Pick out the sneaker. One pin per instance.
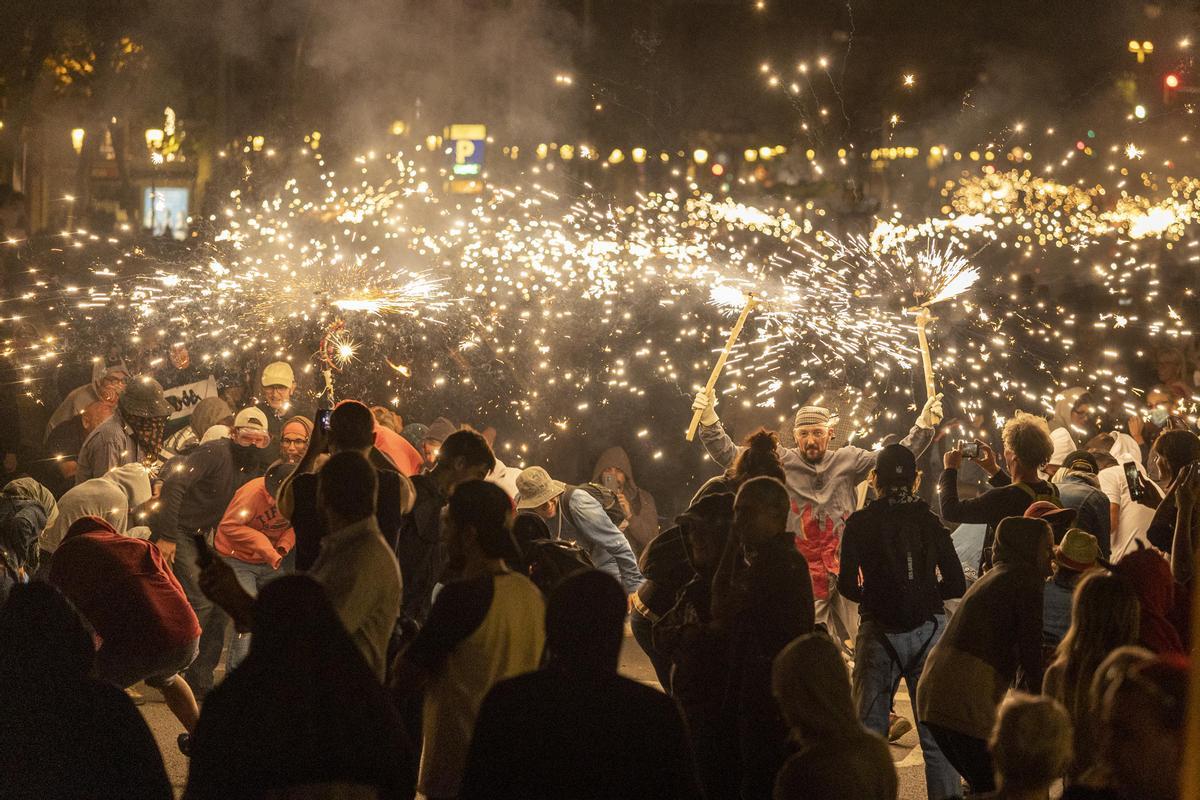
(897, 727)
(185, 744)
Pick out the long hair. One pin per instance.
(759, 459)
(1104, 616)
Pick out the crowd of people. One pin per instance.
(402, 614)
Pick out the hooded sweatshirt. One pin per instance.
(26, 508)
(996, 630)
(1133, 518)
(198, 487)
(124, 589)
(643, 523)
(1151, 577)
(81, 397)
(252, 529)
(208, 412)
(836, 756)
(108, 497)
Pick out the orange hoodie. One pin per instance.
(252, 529)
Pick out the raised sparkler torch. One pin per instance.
(924, 317)
(750, 302)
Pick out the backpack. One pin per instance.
(550, 560)
(606, 497)
(912, 561)
(545, 560)
(1035, 495)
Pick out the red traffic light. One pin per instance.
(1171, 81)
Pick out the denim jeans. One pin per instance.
(213, 621)
(251, 577)
(877, 677)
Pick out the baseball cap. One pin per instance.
(250, 418)
(1082, 461)
(895, 464)
(278, 373)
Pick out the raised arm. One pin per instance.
(716, 441)
(1183, 547)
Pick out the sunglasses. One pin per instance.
(250, 436)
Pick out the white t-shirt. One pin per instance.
(1134, 518)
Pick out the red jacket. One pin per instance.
(252, 529)
(123, 588)
(406, 458)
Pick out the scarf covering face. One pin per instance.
(148, 431)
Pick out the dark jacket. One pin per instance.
(197, 488)
(666, 567)
(309, 523)
(899, 547)
(780, 607)
(1081, 491)
(550, 735)
(1006, 499)
(996, 631)
(302, 709)
(419, 548)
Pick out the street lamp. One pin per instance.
(77, 135)
(1141, 49)
(154, 143)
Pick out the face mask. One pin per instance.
(1159, 415)
(243, 455)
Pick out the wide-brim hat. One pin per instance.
(143, 397)
(1078, 550)
(535, 487)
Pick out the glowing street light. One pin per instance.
(1141, 49)
(77, 135)
(700, 156)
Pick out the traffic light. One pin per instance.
(1171, 82)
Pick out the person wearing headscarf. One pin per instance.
(109, 497)
(1150, 575)
(614, 471)
(208, 412)
(294, 439)
(65, 734)
(26, 509)
(836, 758)
(302, 710)
(106, 385)
(1070, 423)
(996, 632)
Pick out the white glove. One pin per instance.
(931, 414)
(706, 404)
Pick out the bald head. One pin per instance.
(95, 414)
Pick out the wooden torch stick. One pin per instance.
(923, 320)
(720, 365)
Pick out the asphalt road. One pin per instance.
(634, 664)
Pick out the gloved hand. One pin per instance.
(707, 405)
(931, 414)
